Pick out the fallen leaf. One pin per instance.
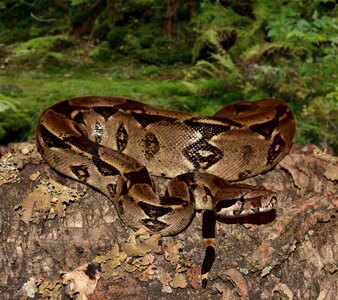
(82, 280)
(179, 281)
(331, 172)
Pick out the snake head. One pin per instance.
(242, 200)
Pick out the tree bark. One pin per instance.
(170, 25)
(51, 225)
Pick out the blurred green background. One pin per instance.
(183, 55)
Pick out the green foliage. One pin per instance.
(41, 43)
(101, 52)
(212, 18)
(42, 50)
(281, 49)
(115, 35)
(319, 121)
(78, 2)
(23, 20)
(36, 89)
(239, 49)
(133, 28)
(11, 110)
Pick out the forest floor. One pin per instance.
(29, 90)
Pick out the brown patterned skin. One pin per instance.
(116, 145)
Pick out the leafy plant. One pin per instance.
(262, 49)
(239, 49)
(319, 121)
(10, 112)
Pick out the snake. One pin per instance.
(119, 146)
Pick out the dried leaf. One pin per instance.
(194, 277)
(172, 252)
(331, 172)
(179, 281)
(164, 277)
(82, 280)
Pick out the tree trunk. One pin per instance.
(193, 9)
(51, 225)
(170, 25)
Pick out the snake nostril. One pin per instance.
(79, 250)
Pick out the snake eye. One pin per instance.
(242, 199)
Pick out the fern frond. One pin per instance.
(264, 10)
(257, 51)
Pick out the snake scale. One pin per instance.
(117, 145)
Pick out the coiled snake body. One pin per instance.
(116, 145)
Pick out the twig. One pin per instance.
(42, 20)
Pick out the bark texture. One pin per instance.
(60, 237)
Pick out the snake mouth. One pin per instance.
(244, 207)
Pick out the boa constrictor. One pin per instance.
(116, 145)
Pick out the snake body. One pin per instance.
(116, 145)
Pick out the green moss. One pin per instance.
(42, 51)
(102, 52)
(116, 35)
(40, 43)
